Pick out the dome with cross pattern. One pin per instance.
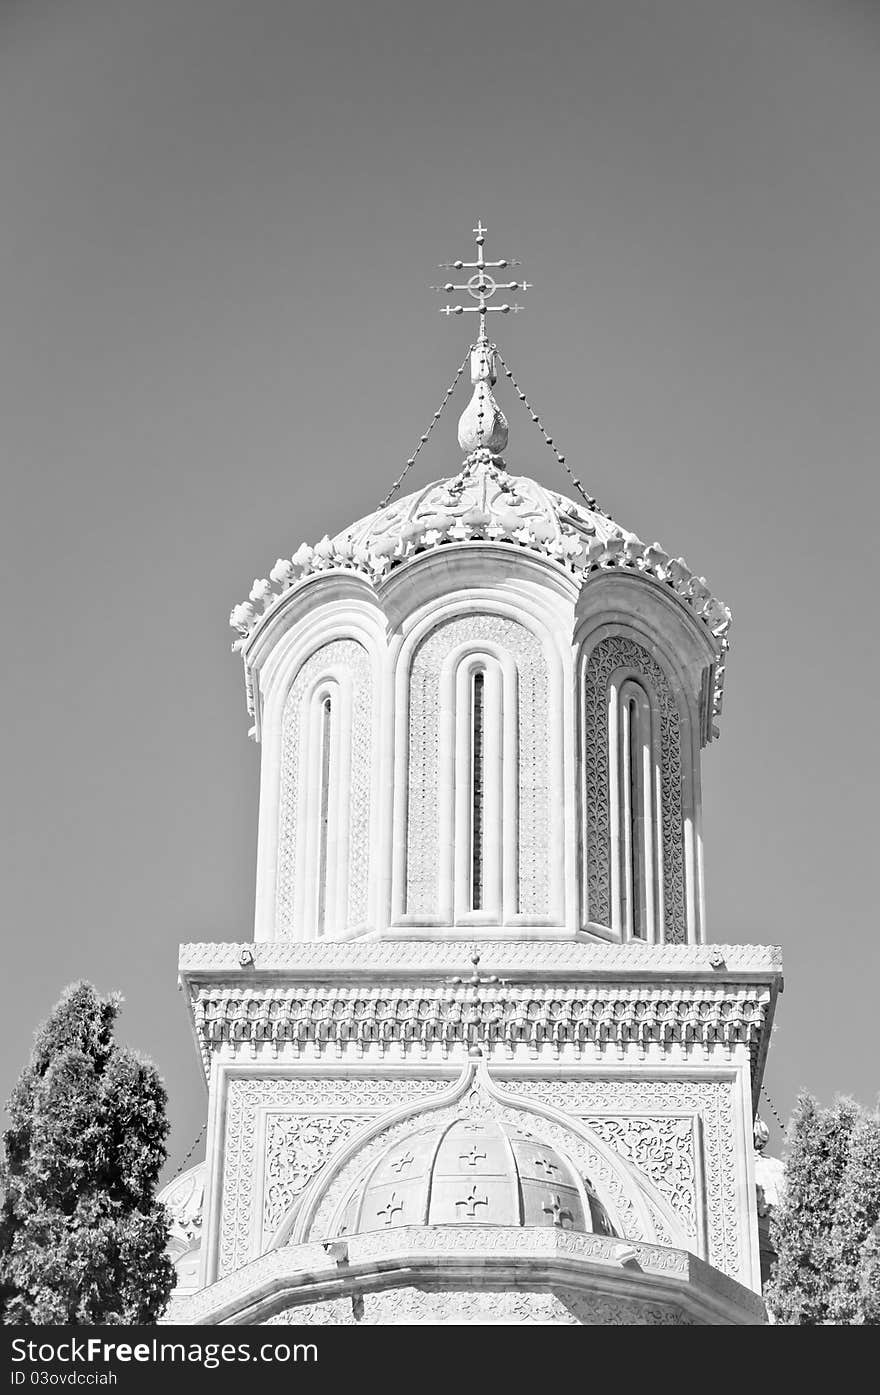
(473, 1171)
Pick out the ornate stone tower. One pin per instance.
(478, 1062)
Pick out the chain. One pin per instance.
(412, 460)
(773, 1110)
(199, 1137)
(588, 498)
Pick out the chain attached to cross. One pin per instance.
(481, 286)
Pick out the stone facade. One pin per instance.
(479, 913)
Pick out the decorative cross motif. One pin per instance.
(548, 1166)
(472, 1201)
(472, 1158)
(476, 979)
(557, 1211)
(389, 1210)
(400, 1163)
(481, 286)
(474, 982)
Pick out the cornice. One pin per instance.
(545, 960)
(576, 555)
(495, 1255)
(283, 1003)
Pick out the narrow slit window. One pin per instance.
(478, 791)
(324, 814)
(636, 803)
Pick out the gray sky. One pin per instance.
(218, 228)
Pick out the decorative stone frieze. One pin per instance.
(543, 1020)
(483, 504)
(548, 959)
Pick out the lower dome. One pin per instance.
(473, 1171)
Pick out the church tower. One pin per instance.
(478, 1062)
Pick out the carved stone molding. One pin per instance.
(544, 956)
(458, 513)
(411, 1020)
(609, 655)
(585, 1272)
(468, 1306)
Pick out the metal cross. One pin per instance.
(557, 1211)
(481, 286)
(389, 1210)
(400, 1163)
(471, 1201)
(476, 979)
(471, 1158)
(474, 982)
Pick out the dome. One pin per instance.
(480, 1171)
(483, 499)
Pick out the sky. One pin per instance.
(218, 230)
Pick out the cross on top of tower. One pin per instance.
(482, 285)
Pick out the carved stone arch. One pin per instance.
(424, 884)
(612, 659)
(499, 740)
(336, 610)
(338, 672)
(628, 1197)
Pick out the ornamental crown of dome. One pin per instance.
(471, 1171)
(482, 501)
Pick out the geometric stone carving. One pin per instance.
(662, 1148)
(711, 1100)
(297, 1146)
(247, 1100)
(561, 957)
(537, 1019)
(608, 656)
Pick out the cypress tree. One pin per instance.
(801, 1287)
(868, 1308)
(82, 1238)
(856, 1212)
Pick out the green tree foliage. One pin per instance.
(82, 1238)
(828, 1254)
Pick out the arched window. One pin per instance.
(322, 875)
(636, 814)
(632, 790)
(636, 880)
(323, 811)
(478, 789)
(481, 761)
